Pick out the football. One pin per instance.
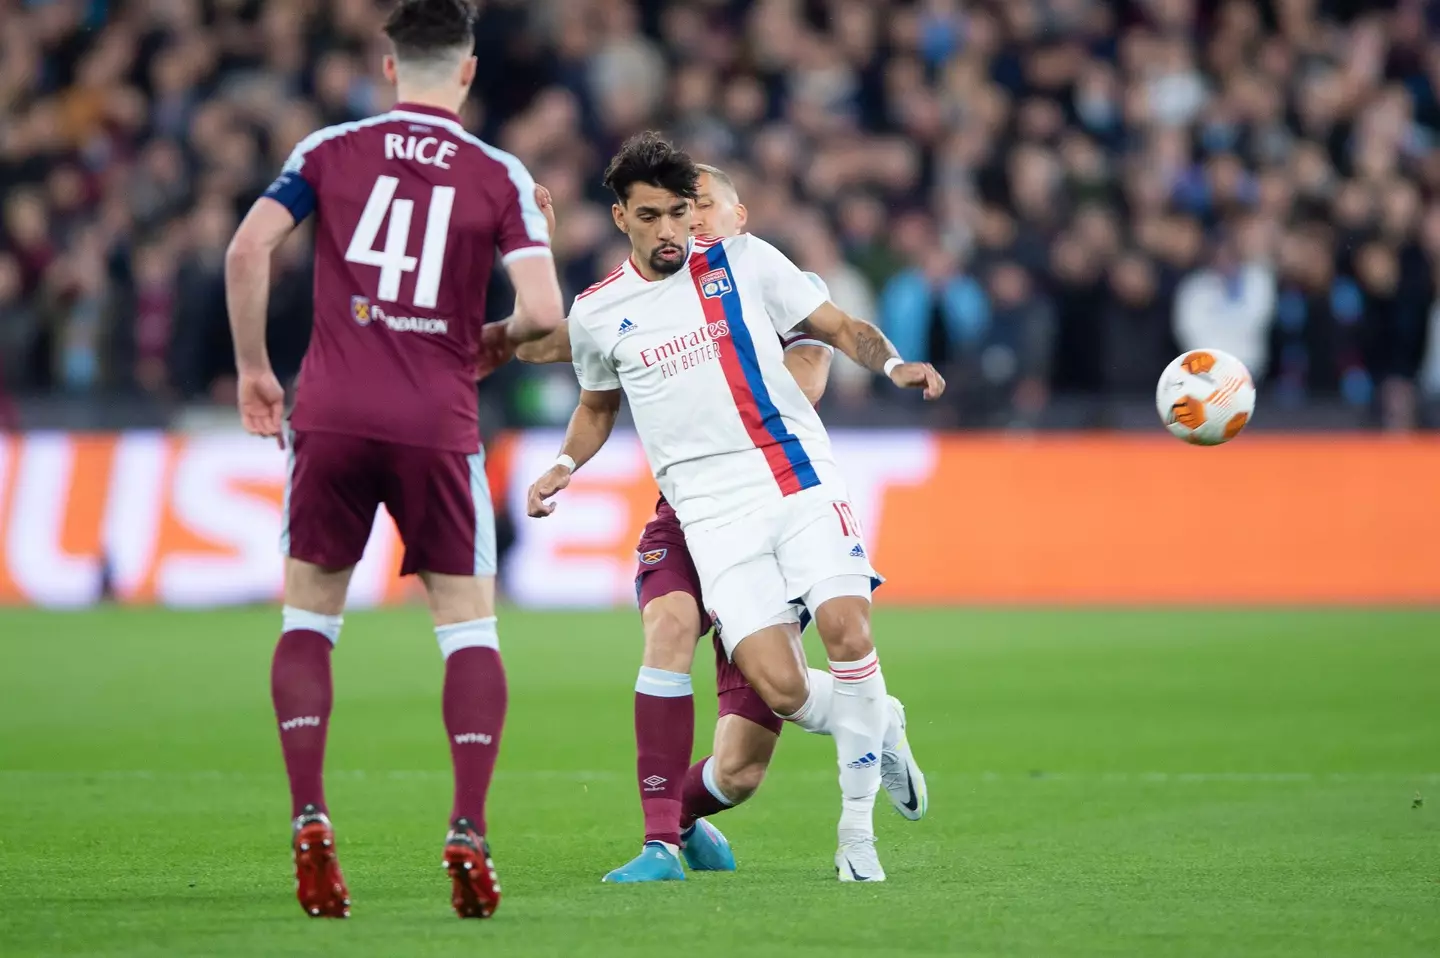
(1205, 397)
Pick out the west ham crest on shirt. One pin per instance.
(360, 309)
(715, 283)
(653, 556)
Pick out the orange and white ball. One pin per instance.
(1205, 397)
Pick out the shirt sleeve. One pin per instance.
(593, 368)
(800, 336)
(523, 231)
(789, 297)
(295, 187)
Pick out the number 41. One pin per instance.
(394, 260)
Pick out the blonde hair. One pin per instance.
(721, 177)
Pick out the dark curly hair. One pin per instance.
(650, 158)
(423, 28)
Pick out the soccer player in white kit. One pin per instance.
(687, 329)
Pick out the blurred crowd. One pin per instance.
(1049, 198)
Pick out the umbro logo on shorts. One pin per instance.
(653, 556)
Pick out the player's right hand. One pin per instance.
(262, 403)
(495, 349)
(919, 376)
(547, 206)
(557, 478)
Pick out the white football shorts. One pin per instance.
(751, 569)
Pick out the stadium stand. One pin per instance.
(1048, 197)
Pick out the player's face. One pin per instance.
(658, 224)
(718, 212)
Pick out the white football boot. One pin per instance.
(857, 861)
(899, 772)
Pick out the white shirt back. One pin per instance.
(725, 426)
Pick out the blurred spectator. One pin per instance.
(1018, 345)
(934, 311)
(1259, 177)
(1228, 305)
(1136, 336)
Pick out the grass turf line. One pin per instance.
(1102, 783)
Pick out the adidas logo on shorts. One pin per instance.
(864, 761)
(858, 552)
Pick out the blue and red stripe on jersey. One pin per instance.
(762, 420)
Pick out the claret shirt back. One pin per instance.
(411, 213)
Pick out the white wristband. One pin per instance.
(566, 461)
(891, 363)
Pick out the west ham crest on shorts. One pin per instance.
(715, 283)
(653, 556)
(360, 309)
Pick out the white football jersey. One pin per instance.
(724, 425)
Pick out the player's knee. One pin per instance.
(739, 779)
(315, 589)
(459, 598)
(844, 627)
(672, 625)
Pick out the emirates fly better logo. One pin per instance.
(681, 353)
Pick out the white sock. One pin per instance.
(857, 720)
(707, 777)
(475, 634)
(814, 715)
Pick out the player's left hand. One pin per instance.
(262, 403)
(547, 206)
(919, 376)
(557, 478)
(495, 349)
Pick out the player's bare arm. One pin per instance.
(868, 346)
(551, 348)
(590, 426)
(247, 292)
(810, 365)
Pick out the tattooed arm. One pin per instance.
(864, 343)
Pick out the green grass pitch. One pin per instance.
(1102, 783)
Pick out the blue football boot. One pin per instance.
(654, 863)
(706, 849)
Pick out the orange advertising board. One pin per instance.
(195, 520)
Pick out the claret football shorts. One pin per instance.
(439, 500)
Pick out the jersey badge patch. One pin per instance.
(653, 556)
(360, 309)
(715, 283)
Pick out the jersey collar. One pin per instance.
(426, 110)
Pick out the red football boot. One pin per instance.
(475, 888)
(318, 882)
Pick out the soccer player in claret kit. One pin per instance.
(410, 211)
(676, 801)
(688, 330)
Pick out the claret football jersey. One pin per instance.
(411, 213)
